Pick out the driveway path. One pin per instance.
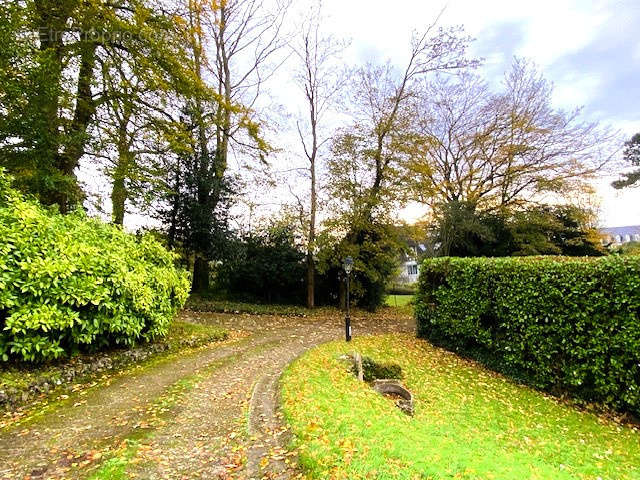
(208, 414)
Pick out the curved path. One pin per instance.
(209, 414)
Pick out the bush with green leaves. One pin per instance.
(70, 283)
(565, 325)
(265, 265)
(374, 249)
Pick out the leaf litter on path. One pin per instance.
(190, 417)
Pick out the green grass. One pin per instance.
(469, 423)
(117, 465)
(115, 468)
(203, 304)
(398, 300)
(193, 334)
(181, 335)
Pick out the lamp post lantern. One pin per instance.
(348, 266)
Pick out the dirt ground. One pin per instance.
(210, 413)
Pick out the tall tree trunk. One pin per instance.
(50, 24)
(118, 200)
(119, 192)
(175, 207)
(223, 124)
(84, 111)
(319, 84)
(311, 280)
(311, 267)
(61, 156)
(51, 19)
(67, 160)
(200, 282)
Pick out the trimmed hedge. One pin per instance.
(565, 325)
(70, 283)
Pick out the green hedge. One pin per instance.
(70, 283)
(402, 289)
(565, 325)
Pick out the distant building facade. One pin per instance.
(619, 235)
(410, 268)
(410, 272)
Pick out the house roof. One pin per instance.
(414, 244)
(622, 231)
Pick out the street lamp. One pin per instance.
(348, 266)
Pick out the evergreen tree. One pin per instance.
(631, 154)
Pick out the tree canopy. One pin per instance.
(631, 154)
(60, 69)
(164, 107)
(497, 150)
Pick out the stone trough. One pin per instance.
(393, 388)
(390, 387)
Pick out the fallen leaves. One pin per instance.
(470, 422)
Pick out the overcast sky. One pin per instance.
(590, 50)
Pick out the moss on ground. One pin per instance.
(117, 464)
(24, 383)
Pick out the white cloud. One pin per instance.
(619, 207)
(573, 89)
(545, 31)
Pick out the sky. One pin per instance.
(590, 50)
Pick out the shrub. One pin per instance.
(372, 370)
(561, 324)
(374, 249)
(463, 231)
(267, 266)
(69, 283)
(402, 289)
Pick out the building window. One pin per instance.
(412, 269)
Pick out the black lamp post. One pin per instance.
(348, 266)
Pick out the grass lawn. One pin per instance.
(469, 423)
(398, 300)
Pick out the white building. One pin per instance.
(619, 235)
(410, 269)
(410, 272)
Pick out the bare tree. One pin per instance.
(243, 40)
(368, 159)
(368, 155)
(321, 81)
(496, 150)
(233, 45)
